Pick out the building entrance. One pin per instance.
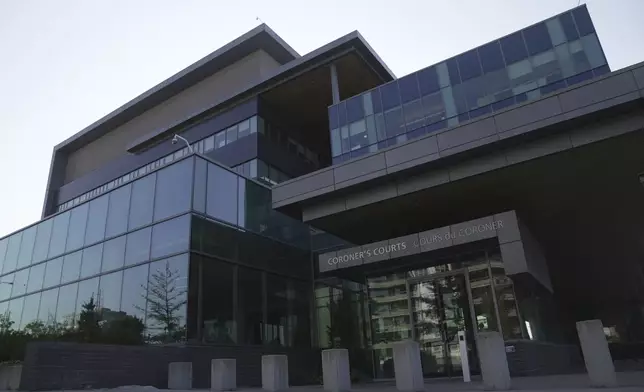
(431, 305)
(440, 308)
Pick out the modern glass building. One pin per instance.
(323, 202)
(550, 55)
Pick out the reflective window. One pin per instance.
(250, 314)
(231, 134)
(137, 248)
(299, 315)
(469, 65)
(513, 48)
(66, 309)
(367, 103)
(15, 312)
(96, 220)
(390, 95)
(20, 282)
(342, 113)
(409, 89)
(537, 38)
(3, 250)
(222, 194)
(394, 122)
(217, 282)
(336, 143)
(58, 235)
(71, 267)
(118, 211)
(167, 299)
(355, 110)
(428, 80)
(110, 292)
(91, 264)
(452, 69)
(113, 254)
(414, 114)
(6, 284)
(170, 237)
(11, 254)
(491, 57)
(333, 116)
(26, 247)
(199, 192)
(593, 51)
(568, 26)
(358, 137)
(583, 21)
(87, 289)
(173, 190)
(209, 143)
(53, 271)
(135, 281)
(557, 35)
(344, 139)
(220, 139)
(30, 312)
(36, 276)
(244, 129)
(276, 331)
(141, 202)
(77, 223)
(48, 303)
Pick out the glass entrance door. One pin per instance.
(440, 308)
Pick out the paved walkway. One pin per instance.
(628, 382)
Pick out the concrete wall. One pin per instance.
(212, 90)
(55, 366)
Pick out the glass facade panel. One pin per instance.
(3, 250)
(11, 254)
(428, 80)
(276, 331)
(36, 276)
(66, 309)
(469, 65)
(593, 51)
(167, 299)
(71, 267)
(199, 191)
(47, 310)
(87, 291)
(96, 221)
(513, 48)
(113, 254)
(77, 224)
(137, 248)
(91, 264)
(583, 21)
(250, 289)
(118, 211)
(218, 282)
(390, 95)
(6, 285)
(221, 194)
(15, 312)
(170, 237)
(58, 235)
(537, 38)
(30, 312)
(141, 205)
(20, 280)
(109, 298)
(53, 272)
(409, 89)
(26, 247)
(173, 190)
(491, 57)
(133, 298)
(555, 29)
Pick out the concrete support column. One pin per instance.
(180, 375)
(223, 375)
(599, 363)
(335, 87)
(494, 362)
(336, 370)
(407, 367)
(274, 372)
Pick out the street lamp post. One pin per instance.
(176, 139)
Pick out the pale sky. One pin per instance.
(66, 63)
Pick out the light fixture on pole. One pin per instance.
(176, 139)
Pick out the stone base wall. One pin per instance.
(532, 358)
(57, 366)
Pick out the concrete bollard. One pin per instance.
(407, 366)
(336, 370)
(494, 362)
(274, 372)
(599, 363)
(180, 375)
(223, 375)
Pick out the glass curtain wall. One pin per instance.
(126, 251)
(550, 55)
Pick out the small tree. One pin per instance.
(89, 329)
(165, 300)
